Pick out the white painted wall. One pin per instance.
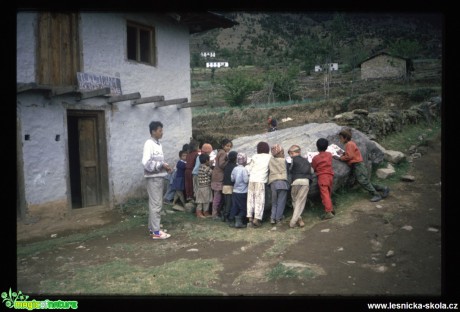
(103, 42)
(45, 166)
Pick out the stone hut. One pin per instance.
(384, 65)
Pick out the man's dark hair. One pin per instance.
(322, 144)
(154, 125)
(204, 158)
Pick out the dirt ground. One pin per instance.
(390, 248)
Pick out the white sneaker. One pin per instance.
(162, 235)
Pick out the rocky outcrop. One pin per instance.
(377, 125)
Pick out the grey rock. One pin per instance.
(306, 136)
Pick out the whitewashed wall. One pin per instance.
(45, 165)
(103, 41)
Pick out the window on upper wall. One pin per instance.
(141, 43)
(58, 50)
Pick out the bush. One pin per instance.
(420, 95)
(237, 86)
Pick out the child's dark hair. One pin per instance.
(204, 158)
(346, 134)
(226, 141)
(186, 147)
(192, 145)
(182, 153)
(322, 144)
(232, 156)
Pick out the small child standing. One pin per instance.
(258, 176)
(179, 182)
(277, 179)
(322, 165)
(300, 170)
(204, 192)
(240, 177)
(227, 187)
(218, 177)
(352, 156)
(206, 148)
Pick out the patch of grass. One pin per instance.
(181, 277)
(134, 207)
(415, 134)
(281, 271)
(344, 197)
(199, 111)
(33, 248)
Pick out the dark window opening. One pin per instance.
(141, 44)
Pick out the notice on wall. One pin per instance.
(88, 81)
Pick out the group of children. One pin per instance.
(234, 188)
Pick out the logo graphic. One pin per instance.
(19, 301)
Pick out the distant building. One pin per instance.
(384, 65)
(332, 67)
(216, 64)
(208, 54)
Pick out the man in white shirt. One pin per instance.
(155, 170)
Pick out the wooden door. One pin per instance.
(89, 162)
(87, 155)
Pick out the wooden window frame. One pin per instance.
(151, 45)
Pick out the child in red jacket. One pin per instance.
(322, 164)
(354, 159)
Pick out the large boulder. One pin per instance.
(306, 136)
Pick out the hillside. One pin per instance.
(270, 38)
(212, 124)
(269, 42)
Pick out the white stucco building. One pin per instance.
(330, 66)
(80, 148)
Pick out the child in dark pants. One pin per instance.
(278, 181)
(179, 182)
(240, 177)
(322, 165)
(352, 156)
(227, 187)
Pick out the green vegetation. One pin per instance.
(121, 277)
(45, 245)
(415, 134)
(237, 86)
(282, 271)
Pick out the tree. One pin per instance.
(405, 48)
(237, 86)
(353, 55)
(284, 83)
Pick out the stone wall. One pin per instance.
(379, 124)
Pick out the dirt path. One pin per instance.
(389, 248)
